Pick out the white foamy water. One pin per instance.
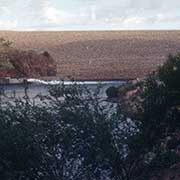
(56, 82)
(37, 86)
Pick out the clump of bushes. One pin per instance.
(169, 73)
(70, 134)
(159, 113)
(112, 92)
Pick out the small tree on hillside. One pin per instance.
(159, 114)
(169, 73)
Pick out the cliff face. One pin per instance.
(30, 64)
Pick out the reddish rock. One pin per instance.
(32, 64)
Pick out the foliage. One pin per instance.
(5, 47)
(72, 134)
(112, 92)
(159, 113)
(169, 73)
(161, 101)
(69, 134)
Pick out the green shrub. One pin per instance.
(112, 92)
(169, 73)
(70, 134)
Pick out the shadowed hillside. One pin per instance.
(101, 55)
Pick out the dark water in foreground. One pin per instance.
(39, 87)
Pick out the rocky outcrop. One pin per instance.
(32, 64)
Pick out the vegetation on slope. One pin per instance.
(5, 47)
(71, 134)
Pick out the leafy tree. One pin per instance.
(70, 134)
(159, 114)
(169, 73)
(161, 99)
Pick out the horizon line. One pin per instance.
(82, 30)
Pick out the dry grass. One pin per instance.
(101, 54)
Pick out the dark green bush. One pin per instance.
(112, 92)
(159, 114)
(169, 73)
(71, 134)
